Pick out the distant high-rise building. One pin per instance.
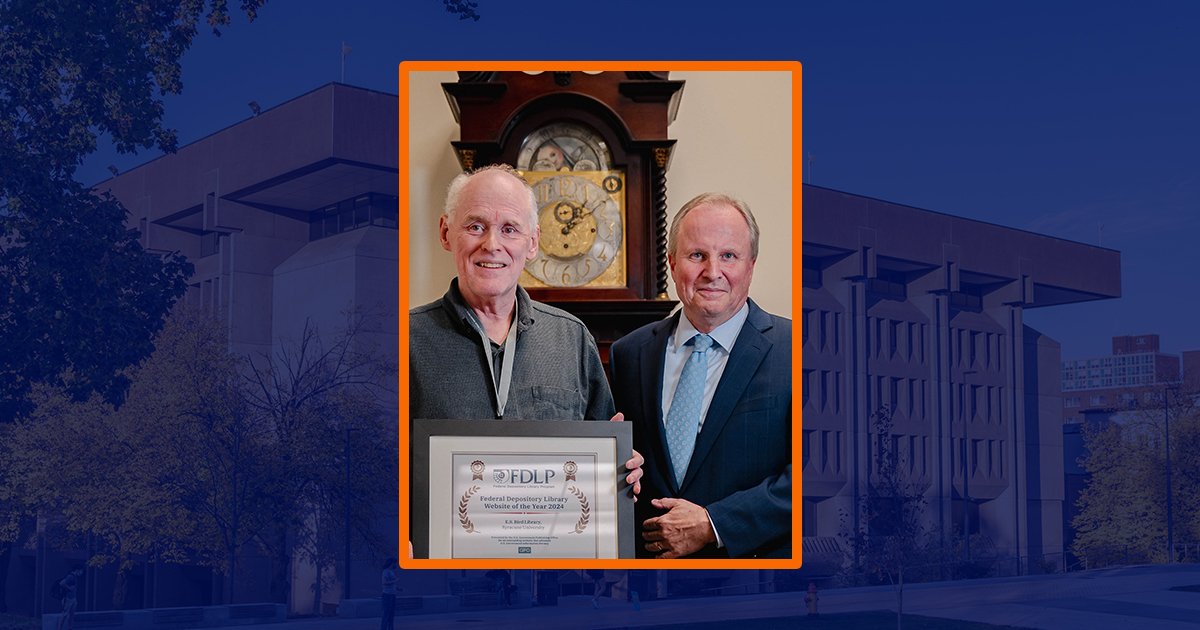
(1128, 378)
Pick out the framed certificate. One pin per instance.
(521, 489)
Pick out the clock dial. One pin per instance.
(563, 147)
(582, 231)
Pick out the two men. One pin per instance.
(486, 350)
(709, 392)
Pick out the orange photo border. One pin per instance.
(407, 67)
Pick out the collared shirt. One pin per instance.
(557, 373)
(723, 336)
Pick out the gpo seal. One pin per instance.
(477, 470)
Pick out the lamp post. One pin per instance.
(1167, 448)
(346, 591)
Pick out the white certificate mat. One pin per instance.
(522, 497)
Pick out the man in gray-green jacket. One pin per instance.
(485, 349)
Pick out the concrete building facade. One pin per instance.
(921, 314)
(290, 219)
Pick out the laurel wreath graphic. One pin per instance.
(463, 519)
(585, 510)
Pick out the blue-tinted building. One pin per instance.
(921, 314)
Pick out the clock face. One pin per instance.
(581, 216)
(563, 147)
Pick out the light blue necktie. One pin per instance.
(683, 419)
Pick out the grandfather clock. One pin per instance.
(594, 147)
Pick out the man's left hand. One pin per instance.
(682, 531)
(634, 465)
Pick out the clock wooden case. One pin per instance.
(595, 148)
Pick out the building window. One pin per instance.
(351, 214)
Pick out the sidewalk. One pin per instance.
(1119, 598)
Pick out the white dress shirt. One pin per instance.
(723, 336)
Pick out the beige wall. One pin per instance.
(734, 132)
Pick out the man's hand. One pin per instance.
(634, 465)
(682, 531)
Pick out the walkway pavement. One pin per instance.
(1118, 598)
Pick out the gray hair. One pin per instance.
(460, 181)
(714, 199)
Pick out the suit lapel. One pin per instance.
(652, 358)
(748, 353)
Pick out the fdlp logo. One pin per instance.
(523, 475)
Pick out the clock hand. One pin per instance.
(568, 222)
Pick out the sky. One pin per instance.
(1078, 120)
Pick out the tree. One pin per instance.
(86, 472)
(215, 459)
(315, 393)
(79, 298)
(166, 475)
(893, 541)
(1122, 514)
(212, 455)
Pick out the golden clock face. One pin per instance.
(582, 220)
(563, 147)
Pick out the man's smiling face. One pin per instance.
(492, 232)
(713, 264)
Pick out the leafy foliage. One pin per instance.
(464, 9)
(1122, 514)
(79, 298)
(211, 453)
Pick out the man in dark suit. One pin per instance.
(709, 391)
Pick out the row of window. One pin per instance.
(985, 457)
(908, 397)
(1108, 362)
(897, 339)
(1074, 384)
(351, 214)
(978, 403)
(827, 386)
(1125, 399)
(827, 448)
(908, 453)
(976, 349)
(1107, 371)
(828, 327)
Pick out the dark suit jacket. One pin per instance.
(741, 468)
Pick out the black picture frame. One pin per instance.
(423, 430)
